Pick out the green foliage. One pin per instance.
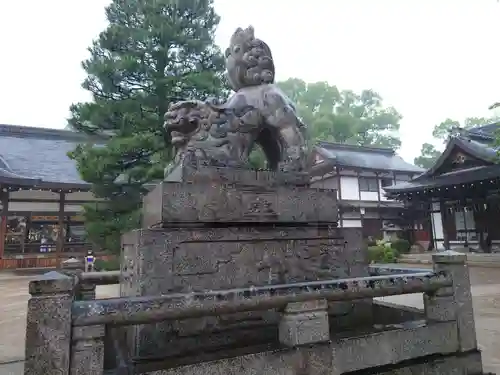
(112, 264)
(443, 130)
(344, 116)
(428, 156)
(402, 246)
(151, 53)
(257, 158)
(382, 254)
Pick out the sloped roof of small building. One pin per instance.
(39, 156)
(476, 142)
(370, 158)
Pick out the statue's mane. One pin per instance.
(255, 60)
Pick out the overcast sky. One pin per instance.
(429, 59)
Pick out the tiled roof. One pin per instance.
(38, 154)
(462, 176)
(487, 131)
(479, 150)
(382, 159)
(468, 143)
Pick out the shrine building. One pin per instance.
(41, 197)
(359, 174)
(460, 193)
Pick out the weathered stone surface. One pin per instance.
(87, 350)
(199, 174)
(257, 113)
(48, 328)
(343, 355)
(162, 261)
(173, 202)
(454, 302)
(304, 323)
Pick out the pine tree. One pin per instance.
(151, 54)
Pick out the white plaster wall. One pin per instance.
(369, 196)
(33, 206)
(351, 215)
(80, 196)
(42, 207)
(349, 187)
(33, 194)
(351, 224)
(73, 208)
(437, 227)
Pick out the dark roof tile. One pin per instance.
(38, 153)
(383, 159)
(463, 176)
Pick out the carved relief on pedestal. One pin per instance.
(260, 207)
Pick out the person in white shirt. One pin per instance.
(89, 261)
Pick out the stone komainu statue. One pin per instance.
(257, 113)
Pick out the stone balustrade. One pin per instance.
(66, 332)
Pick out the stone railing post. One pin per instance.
(454, 303)
(87, 350)
(86, 291)
(304, 323)
(74, 267)
(48, 328)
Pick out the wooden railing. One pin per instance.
(87, 329)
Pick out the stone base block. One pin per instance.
(173, 203)
(419, 354)
(168, 260)
(304, 323)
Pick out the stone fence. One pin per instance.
(69, 332)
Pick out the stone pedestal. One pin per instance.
(221, 229)
(304, 323)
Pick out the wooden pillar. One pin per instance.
(465, 224)
(60, 237)
(3, 224)
(339, 180)
(380, 218)
(445, 219)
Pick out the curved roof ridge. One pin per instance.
(45, 133)
(345, 146)
(476, 149)
(485, 130)
(361, 157)
(10, 177)
(4, 164)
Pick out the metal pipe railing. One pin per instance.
(381, 270)
(146, 310)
